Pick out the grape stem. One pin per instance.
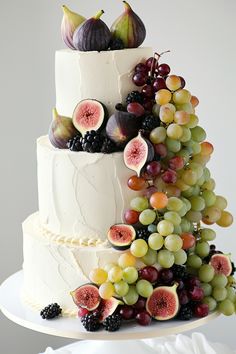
(157, 57)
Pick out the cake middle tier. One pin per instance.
(81, 194)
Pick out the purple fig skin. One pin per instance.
(122, 127)
(70, 22)
(61, 131)
(92, 35)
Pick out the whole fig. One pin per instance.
(129, 28)
(92, 35)
(70, 22)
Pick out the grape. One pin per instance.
(159, 84)
(126, 260)
(209, 197)
(165, 227)
(231, 294)
(207, 288)
(181, 118)
(139, 248)
(108, 266)
(194, 216)
(130, 275)
(209, 185)
(207, 234)
(131, 217)
(156, 109)
(219, 280)
(141, 67)
(131, 297)
(147, 91)
(173, 217)
(174, 204)
(181, 96)
(165, 258)
(153, 168)
(198, 134)
(206, 148)
(173, 82)
(185, 224)
(137, 183)
(152, 63)
(226, 307)
(147, 217)
(197, 168)
(158, 135)
(172, 191)
(194, 261)
(163, 96)
(181, 185)
(196, 148)
(121, 288)
(225, 220)
(196, 191)
(197, 203)
(139, 203)
(186, 136)
(184, 153)
(174, 131)
(219, 293)
(143, 318)
(173, 243)
(196, 293)
(149, 191)
(187, 203)
(144, 288)
(115, 274)
(136, 109)
(202, 160)
(161, 150)
(212, 214)
(98, 276)
(183, 83)
(182, 212)
(166, 114)
(152, 228)
(207, 173)
(200, 181)
(106, 290)
(166, 276)
(202, 249)
(206, 273)
(193, 121)
(127, 312)
(211, 302)
(188, 240)
(149, 273)
(150, 257)
(140, 78)
(176, 163)
(163, 70)
(177, 230)
(220, 202)
(180, 257)
(173, 145)
(159, 200)
(155, 241)
(189, 177)
(140, 304)
(195, 101)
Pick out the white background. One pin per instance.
(201, 35)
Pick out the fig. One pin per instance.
(61, 130)
(137, 153)
(108, 307)
(93, 34)
(129, 28)
(86, 296)
(222, 264)
(163, 304)
(121, 236)
(89, 115)
(122, 126)
(70, 22)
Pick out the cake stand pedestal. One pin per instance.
(128, 338)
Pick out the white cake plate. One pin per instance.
(13, 308)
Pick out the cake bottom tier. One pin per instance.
(54, 266)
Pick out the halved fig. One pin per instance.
(89, 115)
(163, 304)
(108, 307)
(86, 296)
(137, 153)
(222, 264)
(121, 236)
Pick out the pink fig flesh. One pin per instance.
(221, 264)
(86, 296)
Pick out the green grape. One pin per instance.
(108, 266)
(115, 274)
(139, 204)
(185, 225)
(183, 211)
(219, 280)
(174, 131)
(180, 257)
(187, 107)
(177, 230)
(194, 216)
(211, 302)
(173, 243)
(212, 214)
(166, 114)
(226, 307)
(193, 121)
(130, 275)
(165, 227)
(209, 198)
(219, 293)
(197, 168)
(186, 136)
(185, 154)
(131, 297)
(106, 290)
(189, 177)
(150, 257)
(188, 193)
(201, 159)
(209, 185)
(207, 288)
(174, 204)
(147, 217)
(231, 294)
(197, 203)
(139, 248)
(220, 202)
(165, 258)
(196, 148)
(198, 134)
(181, 96)
(173, 217)
(186, 202)
(144, 288)
(189, 144)
(173, 145)
(231, 281)
(201, 181)
(156, 241)
(98, 276)
(156, 109)
(152, 228)
(207, 234)
(202, 249)
(194, 261)
(121, 288)
(206, 273)
(207, 174)
(195, 191)
(158, 135)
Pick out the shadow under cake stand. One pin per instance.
(128, 338)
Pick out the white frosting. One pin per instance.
(81, 194)
(105, 76)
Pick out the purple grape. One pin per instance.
(141, 68)
(166, 276)
(149, 273)
(163, 70)
(196, 294)
(143, 318)
(183, 83)
(127, 312)
(148, 91)
(153, 168)
(183, 297)
(140, 79)
(140, 304)
(159, 84)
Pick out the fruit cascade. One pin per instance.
(168, 266)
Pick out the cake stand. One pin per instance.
(128, 338)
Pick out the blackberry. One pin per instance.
(74, 144)
(143, 233)
(91, 322)
(185, 313)
(233, 268)
(134, 96)
(179, 271)
(116, 44)
(113, 323)
(108, 146)
(92, 141)
(150, 122)
(120, 107)
(51, 311)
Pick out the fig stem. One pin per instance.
(65, 9)
(127, 6)
(55, 113)
(99, 14)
